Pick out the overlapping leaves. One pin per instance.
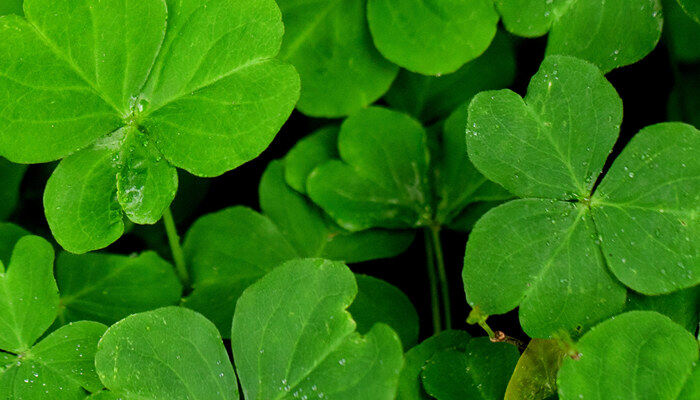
(609, 34)
(121, 96)
(558, 244)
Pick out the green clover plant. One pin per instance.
(124, 92)
(568, 238)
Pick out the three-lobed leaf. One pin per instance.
(124, 97)
(320, 354)
(557, 140)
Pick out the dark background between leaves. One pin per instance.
(644, 87)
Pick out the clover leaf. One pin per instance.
(610, 34)
(682, 307)
(320, 353)
(121, 92)
(61, 364)
(434, 37)
(108, 287)
(330, 45)
(428, 98)
(225, 254)
(11, 7)
(558, 242)
(482, 371)
(636, 355)
(168, 353)
(10, 178)
(375, 185)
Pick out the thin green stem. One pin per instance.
(477, 317)
(432, 276)
(442, 275)
(175, 248)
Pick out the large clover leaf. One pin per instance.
(229, 250)
(320, 354)
(122, 96)
(558, 242)
(589, 29)
(692, 8)
(61, 364)
(636, 355)
(330, 44)
(375, 185)
(434, 37)
(169, 353)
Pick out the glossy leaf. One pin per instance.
(531, 18)
(28, 294)
(330, 45)
(431, 38)
(169, 353)
(410, 386)
(554, 142)
(379, 301)
(535, 375)
(428, 98)
(202, 91)
(636, 355)
(107, 288)
(320, 353)
(11, 7)
(481, 371)
(646, 208)
(61, 366)
(10, 178)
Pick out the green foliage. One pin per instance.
(374, 185)
(164, 354)
(58, 366)
(587, 227)
(224, 254)
(320, 353)
(447, 33)
(557, 243)
(428, 98)
(107, 287)
(610, 34)
(123, 109)
(646, 349)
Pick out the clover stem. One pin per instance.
(432, 276)
(175, 248)
(444, 287)
(478, 317)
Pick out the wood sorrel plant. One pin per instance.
(590, 231)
